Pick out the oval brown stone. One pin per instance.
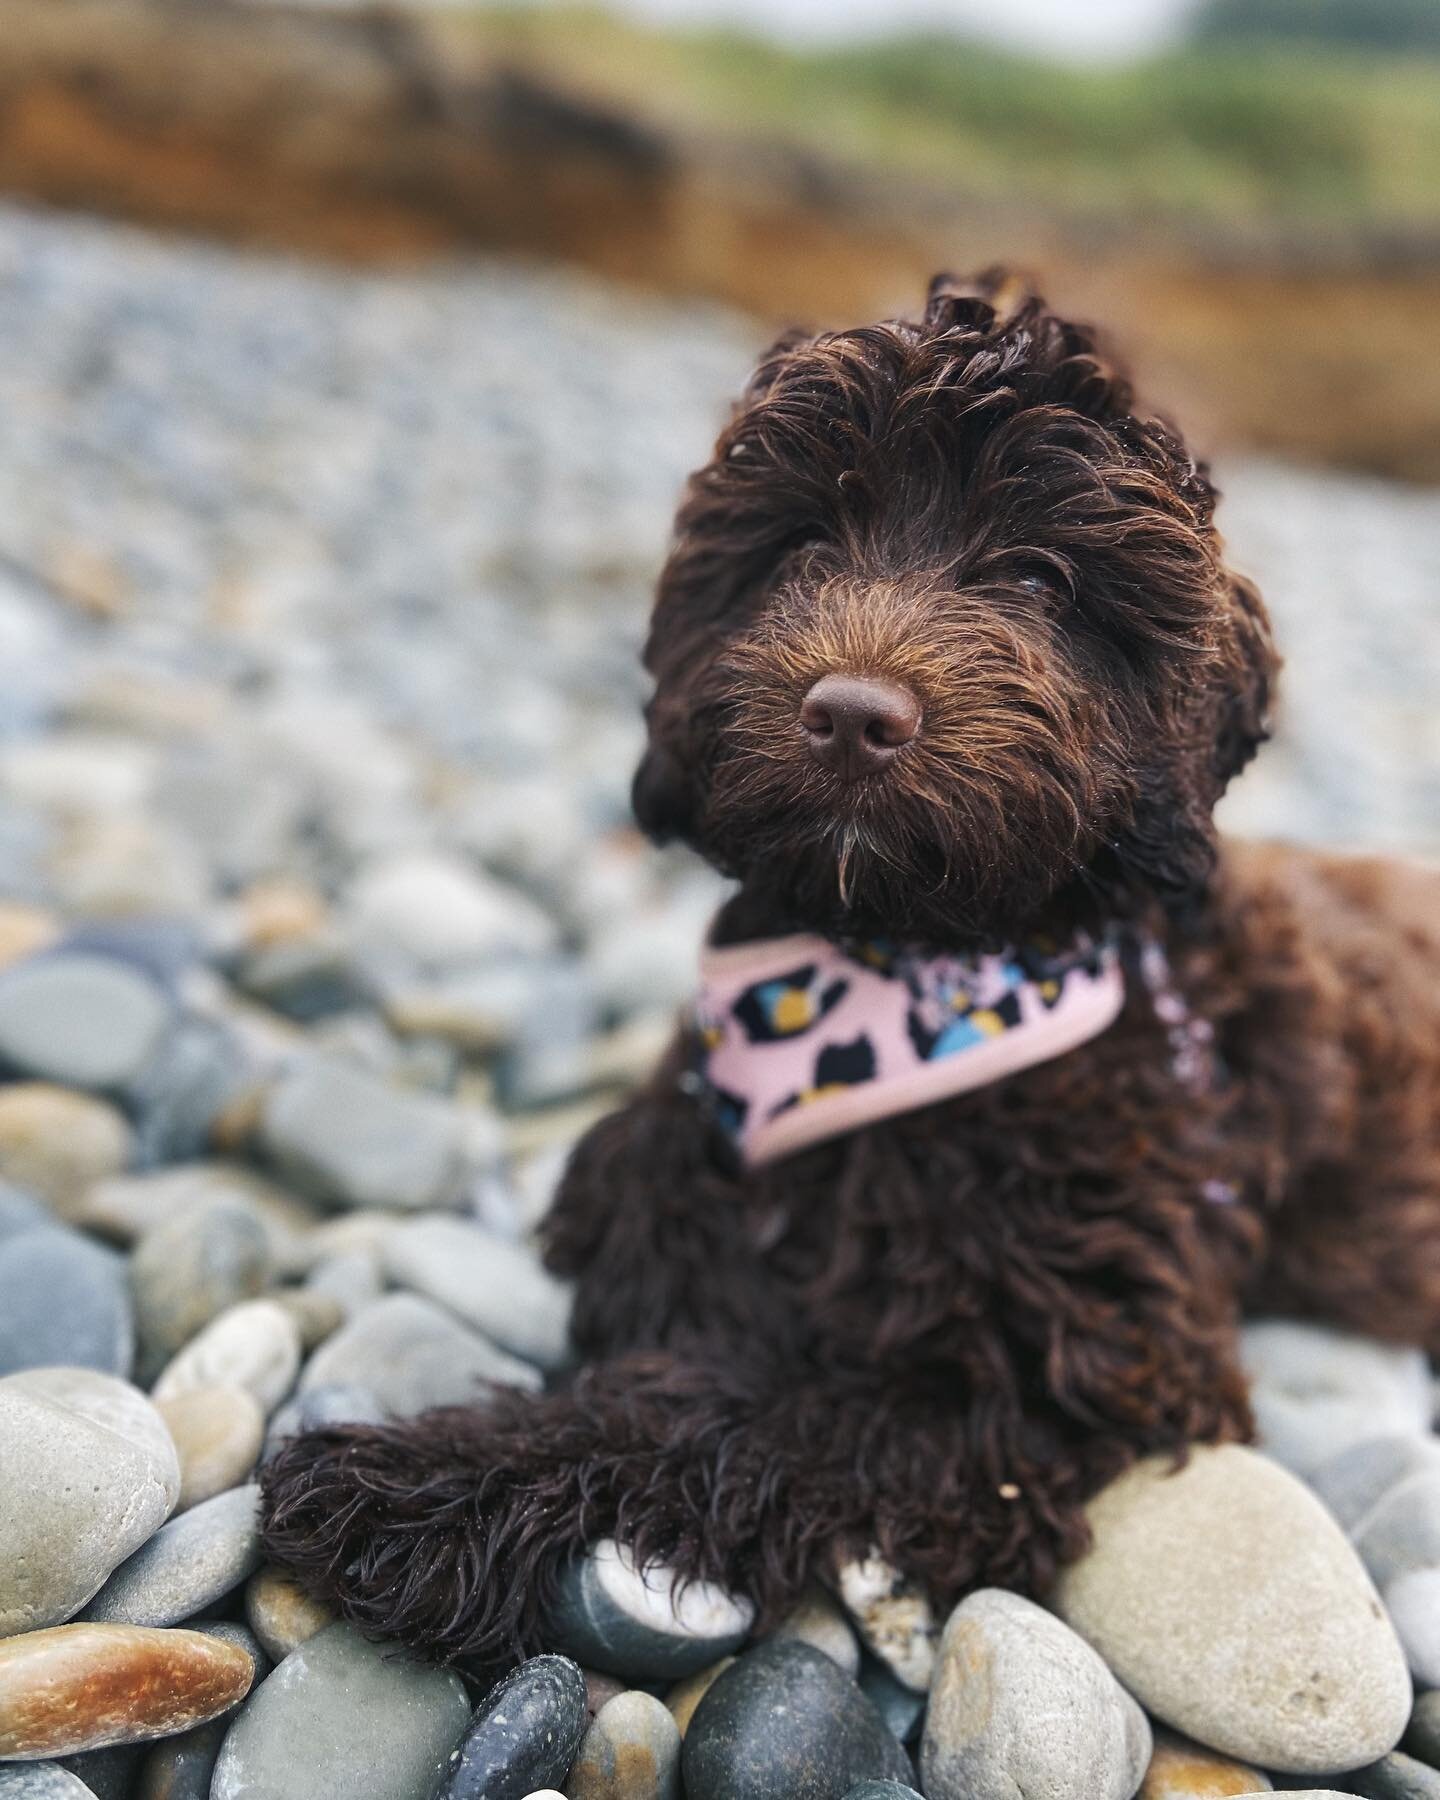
(81, 1687)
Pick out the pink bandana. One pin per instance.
(800, 1040)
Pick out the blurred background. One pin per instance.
(351, 360)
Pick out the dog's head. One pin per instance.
(945, 645)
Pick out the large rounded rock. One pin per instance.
(218, 1432)
(785, 1723)
(1020, 1705)
(83, 1020)
(188, 1564)
(524, 1735)
(411, 1355)
(501, 1288)
(343, 1719)
(1227, 1600)
(255, 1346)
(188, 1269)
(610, 1615)
(64, 1299)
(630, 1752)
(87, 1473)
(80, 1687)
(881, 1790)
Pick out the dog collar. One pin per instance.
(798, 1040)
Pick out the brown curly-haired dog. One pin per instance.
(940, 1333)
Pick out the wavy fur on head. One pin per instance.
(938, 1335)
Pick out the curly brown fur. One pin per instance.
(940, 1334)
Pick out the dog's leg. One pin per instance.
(447, 1532)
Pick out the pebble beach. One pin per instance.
(323, 934)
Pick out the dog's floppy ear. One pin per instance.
(1251, 664)
(662, 794)
(1169, 844)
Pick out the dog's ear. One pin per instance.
(1250, 665)
(662, 795)
(1169, 845)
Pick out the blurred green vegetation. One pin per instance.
(1305, 131)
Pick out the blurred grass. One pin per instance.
(1310, 134)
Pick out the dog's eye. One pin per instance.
(1045, 582)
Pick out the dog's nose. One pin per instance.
(855, 725)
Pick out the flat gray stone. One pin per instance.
(411, 1355)
(1400, 1534)
(1020, 1705)
(343, 1719)
(188, 1269)
(1352, 1482)
(630, 1752)
(87, 1475)
(64, 1300)
(1316, 1391)
(784, 1722)
(609, 1615)
(499, 1287)
(351, 1139)
(79, 1019)
(188, 1565)
(524, 1734)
